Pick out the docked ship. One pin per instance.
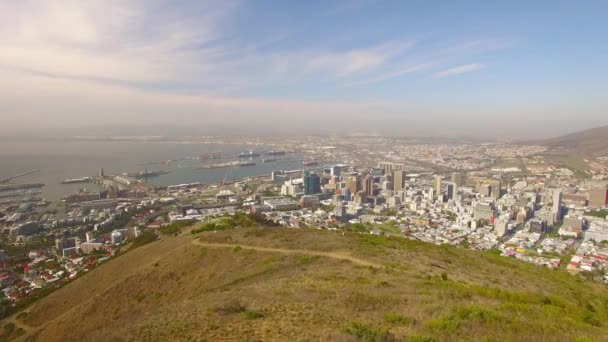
(310, 163)
(269, 160)
(275, 153)
(248, 154)
(144, 174)
(77, 180)
(243, 164)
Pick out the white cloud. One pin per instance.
(461, 69)
(393, 74)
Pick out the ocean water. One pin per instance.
(58, 161)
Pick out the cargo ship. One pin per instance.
(9, 187)
(229, 164)
(248, 154)
(275, 153)
(144, 174)
(77, 180)
(148, 174)
(310, 163)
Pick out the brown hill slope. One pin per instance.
(303, 285)
(591, 142)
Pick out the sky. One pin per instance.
(509, 69)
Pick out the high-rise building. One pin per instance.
(368, 185)
(387, 167)
(398, 180)
(496, 189)
(335, 170)
(390, 167)
(438, 185)
(312, 183)
(353, 183)
(452, 190)
(458, 178)
(598, 197)
(556, 209)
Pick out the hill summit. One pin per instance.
(591, 142)
(271, 284)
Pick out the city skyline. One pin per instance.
(422, 69)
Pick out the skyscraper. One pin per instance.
(335, 170)
(368, 185)
(398, 180)
(452, 189)
(312, 183)
(598, 197)
(557, 205)
(438, 185)
(458, 178)
(353, 183)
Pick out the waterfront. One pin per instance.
(58, 161)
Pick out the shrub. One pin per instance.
(444, 276)
(395, 318)
(9, 328)
(250, 314)
(175, 228)
(367, 333)
(420, 338)
(143, 239)
(231, 307)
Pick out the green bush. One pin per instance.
(231, 307)
(398, 319)
(175, 228)
(250, 314)
(9, 328)
(367, 333)
(143, 239)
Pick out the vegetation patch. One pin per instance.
(252, 314)
(175, 228)
(143, 239)
(368, 333)
(471, 315)
(398, 319)
(232, 307)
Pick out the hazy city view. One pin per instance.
(310, 171)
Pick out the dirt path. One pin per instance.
(333, 255)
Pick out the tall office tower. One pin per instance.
(312, 183)
(496, 189)
(101, 173)
(398, 180)
(452, 190)
(387, 167)
(438, 185)
(598, 197)
(368, 185)
(431, 194)
(557, 205)
(353, 183)
(335, 170)
(458, 178)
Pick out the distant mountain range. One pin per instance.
(591, 142)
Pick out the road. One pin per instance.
(333, 255)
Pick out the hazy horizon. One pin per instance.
(517, 70)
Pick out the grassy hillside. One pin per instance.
(306, 285)
(591, 142)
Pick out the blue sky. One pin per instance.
(527, 68)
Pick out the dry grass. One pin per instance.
(193, 292)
